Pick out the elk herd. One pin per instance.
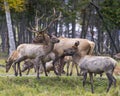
(56, 52)
(50, 53)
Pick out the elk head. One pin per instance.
(71, 51)
(42, 36)
(8, 65)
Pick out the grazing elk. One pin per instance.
(95, 64)
(33, 51)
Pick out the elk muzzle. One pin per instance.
(8, 66)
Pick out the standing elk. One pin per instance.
(95, 64)
(86, 47)
(33, 51)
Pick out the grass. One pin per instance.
(53, 85)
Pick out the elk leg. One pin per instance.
(43, 63)
(62, 65)
(15, 71)
(19, 69)
(114, 81)
(91, 81)
(37, 69)
(45, 69)
(68, 64)
(17, 61)
(71, 69)
(54, 61)
(110, 78)
(38, 73)
(84, 78)
(28, 71)
(77, 70)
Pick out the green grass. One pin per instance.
(53, 85)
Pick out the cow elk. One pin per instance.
(95, 64)
(33, 51)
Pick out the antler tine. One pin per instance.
(53, 19)
(32, 28)
(54, 12)
(35, 29)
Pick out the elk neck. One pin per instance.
(48, 48)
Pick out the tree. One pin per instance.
(17, 6)
(10, 30)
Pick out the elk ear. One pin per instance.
(77, 43)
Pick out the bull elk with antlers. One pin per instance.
(86, 47)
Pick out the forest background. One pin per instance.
(96, 20)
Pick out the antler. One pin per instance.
(54, 14)
(35, 29)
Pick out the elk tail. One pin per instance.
(92, 46)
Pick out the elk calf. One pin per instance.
(29, 64)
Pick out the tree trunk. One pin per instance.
(10, 30)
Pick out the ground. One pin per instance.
(53, 85)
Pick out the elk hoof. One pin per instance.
(78, 74)
(16, 74)
(38, 78)
(20, 74)
(70, 74)
(46, 75)
(63, 72)
(67, 74)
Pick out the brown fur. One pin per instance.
(86, 47)
(117, 70)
